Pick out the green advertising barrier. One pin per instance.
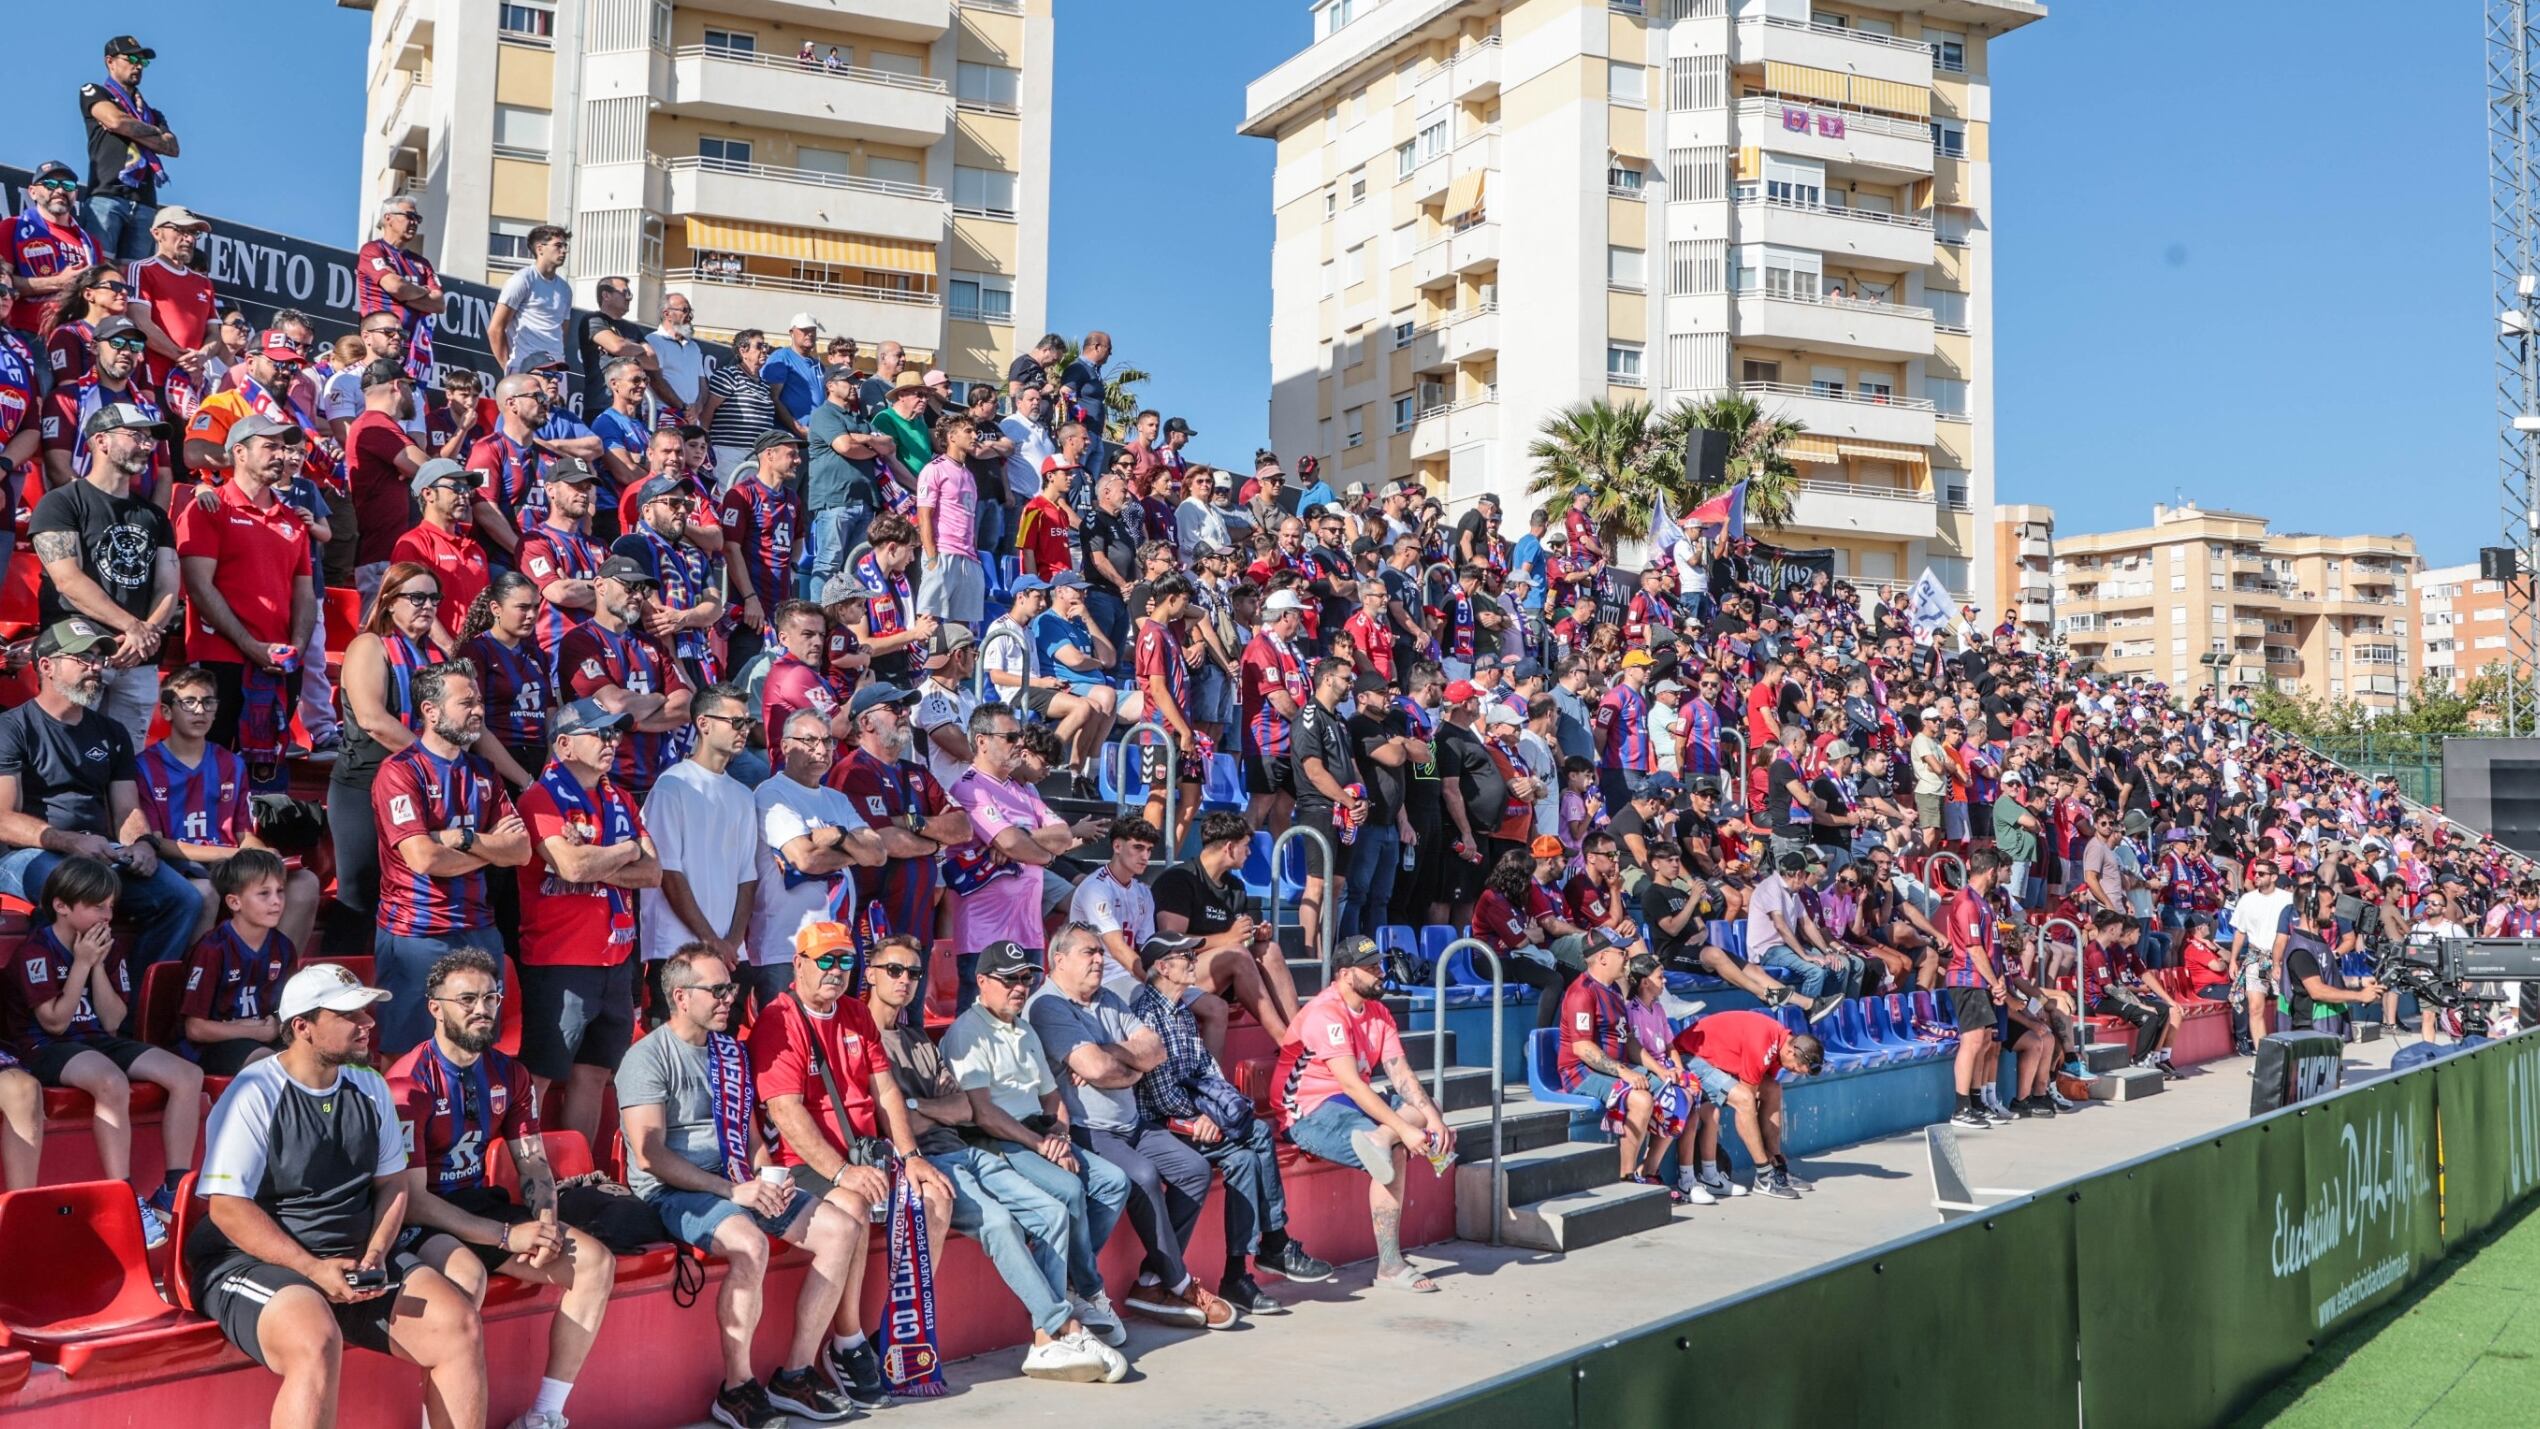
(2489, 1100)
(1833, 1348)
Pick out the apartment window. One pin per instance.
(1789, 182)
(814, 160)
(1627, 83)
(716, 152)
(1948, 395)
(1354, 434)
(1623, 180)
(1336, 14)
(1623, 364)
(1433, 138)
(732, 42)
(2178, 615)
(992, 87)
(1951, 225)
(507, 241)
(1697, 9)
(1948, 309)
(1948, 51)
(1952, 571)
(884, 169)
(1826, 382)
(1697, 81)
(1404, 325)
(1694, 265)
(522, 131)
(1697, 174)
(1331, 278)
(1331, 202)
(2178, 644)
(2215, 580)
(1751, 370)
(1357, 187)
(893, 62)
(1406, 410)
(982, 297)
(1357, 266)
(527, 21)
(1626, 268)
(1406, 157)
(2178, 582)
(1948, 139)
(983, 193)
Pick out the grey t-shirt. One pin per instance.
(665, 1071)
(1065, 1025)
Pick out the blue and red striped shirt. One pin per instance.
(760, 518)
(204, 803)
(419, 792)
(593, 659)
(518, 686)
(548, 555)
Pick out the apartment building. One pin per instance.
(2327, 616)
(883, 164)
(2461, 623)
(1487, 210)
(2023, 571)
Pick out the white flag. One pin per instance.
(1664, 534)
(1927, 605)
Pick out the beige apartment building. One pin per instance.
(2322, 615)
(2461, 623)
(883, 164)
(2023, 587)
(1487, 210)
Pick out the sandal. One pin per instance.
(1406, 1277)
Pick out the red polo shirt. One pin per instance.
(259, 552)
(455, 557)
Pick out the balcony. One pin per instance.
(1815, 321)
(1847, 509)
(732, 86)
(1427, 346)
(805, 198)
(405, 41)
(1836, 136)
(1475, 419)
(403, 121)
(1908, 420)
(1467, 250)
(870, 315)
(1859, 235)
(1474, 74)
(891, 19)
(2036, 612)
(1832, 47)
(1477, 152)
(1429, 431)
(1474, 336)
(2034, 549)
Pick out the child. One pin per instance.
(234, 975)
(67, 986)
(1581, 803)
(194, 804)
(21, 1124)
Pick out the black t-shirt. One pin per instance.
(1790, 818)
(1421, 799)
(1110, 533)
(1627, 820)
(2302, 962)
(1472, 523)
(120, 538)
(1485, 790)
(587, 330)
(1791, 702)
(1209, 908)
(1321, 735)
(1385, 783)
(1027, 371)
(1661, 901)
(1829, 796)
(109, 152)
(66, 771)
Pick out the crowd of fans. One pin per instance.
(707, 736)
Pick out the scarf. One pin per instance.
(324, 462)
(264, 718)
(909, 1360)
(418, 325)
(735, 1098)
(144, 167)
(611, 822)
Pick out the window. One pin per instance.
(983, 193)
(1948, 309)
(982, 297)
(1948, 139)
(732, 42)
(814, 160)
(2178, 582)
(1406, 157)
(2214, 580)
(1623, 180)
(1622, 364)
(1355, 432)
(1331, 202)
(1697, 174)
(507, 242)
(1335, 14)
(530, 22)
(885, 169)
(1795, 183)
(1952, 571)
(1433, 138)
(1357, 107)
(1951, 225)
(1753, 371)
(990, 87)
(1948, 395)
(1357, 266)
(1406, 410)
(1331, 278)
(1626, 268)
(1696, 9)
(1627, 83)
(2178, 615)
(1948, 51)
(715, 152)
(893, 62)
(2178, 644)
(1357, 187)
(1404, 325)
(521, 130)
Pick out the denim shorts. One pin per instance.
(1325, 1131)
(1716, 1084)
(691, 1216)
(1595, 1086)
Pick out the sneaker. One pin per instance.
(745, 1406)
(1722, 1187)
(2174, 1074)
(803, 1392)
(1245, 1294)
(1825, 1004)
(1680, 1009)
(858, 1373)
(2055, 1098)
(1214, 1311)
(1115, 1365)
(1094, 1312)
(1374, 1156)
(1970, 1117)
(1776, 996)
(1771, 1183)
(1072, 1358)
(1998, 1115)
(1697, 1193)
(1162, 1305)
(1797, 1181)
(535, 1420)
(154, 1226)
(1294, 1263)
(2024, 1108)
(2046, 1106)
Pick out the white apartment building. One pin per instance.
(883, 164)
(1487, 210)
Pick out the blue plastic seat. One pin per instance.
(1732, 939)
(1433, 941)
(1884, 1014)
(1846, 1034)
(1543, 1071)
(1399, 938)
(1121, 777)
(1225, 786)
(1256, 869)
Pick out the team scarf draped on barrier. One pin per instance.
(1671, 1106)
(909, 1359)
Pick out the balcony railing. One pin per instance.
(861, 292)
(1840, 32)
(1858, 305)
(795, 64)
(1794, 389)
(1748, 193)
(1866, 491)
(818, 178)
(1768, 109)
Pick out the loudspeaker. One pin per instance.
(2496, 563)
(1707, 458)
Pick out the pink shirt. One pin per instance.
(1326, 1031)
(946, 489)
(1008, 907)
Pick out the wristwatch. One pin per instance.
(467, 838)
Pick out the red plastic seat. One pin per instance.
(568, 1155)
(72, 1104)
(75, 1286)
(15, 1366)
(18, 585)
(343, 621)
(162, 1002)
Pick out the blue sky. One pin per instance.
(2239, 259)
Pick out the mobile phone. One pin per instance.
(375, 1278)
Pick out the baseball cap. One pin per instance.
(881, 693)
(277, 346)
(657, 488)
(1371, 684)
(1841, 749)
(804, 320)
(840, 587)
(625, 570)
(1005, 958)
(1461, 692)
(841, 373)
(1168, 945)
(1067, 580)
(1358, 951)
(257, 424)
(380, 372)
(777, 438)
(432, 473)
(177, 215)
(1024, 585)
(1176, 424)
(1499, 713)
(328, 986)
(1658, 786)
(1635, 659)
(1546, 846)
(1058, 463)
(115, 326)
(949, 639)
(120, 416)
(1670, 687)
(587, 716)
(1284, 600)
(1485, 661)
(70, 637)
(1703, 784)
(573, 471)
(935, 377)
(820, 937)
(53, 169)
(1527, 669)
(126, 47)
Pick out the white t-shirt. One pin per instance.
(539, 307)
(1032, 443)
(786, 811)
(2258, 914)
(1544, 765)
(341, 400)
(1108, 907)
(704, 827)
(683, 364)
(938, 706)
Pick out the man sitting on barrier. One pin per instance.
(1239, 961)
(1737, 1058)
(1329, 1109)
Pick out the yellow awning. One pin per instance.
(1804, 82)
(1811, 447)
(1893, 96)
(806, 245)
(1750, 163)
(1628, 135)
(1464, 194)
(1884, 451)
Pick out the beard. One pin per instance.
(461, 735)
(89, 693)
(474, 1043)
(678, 330)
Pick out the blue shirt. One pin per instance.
(563, 426)
(619, 432)
(1319, 494)
(1053, 632)
(796, 380)
(1529, 557)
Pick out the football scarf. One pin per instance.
(909, 1359)
(735, 1097)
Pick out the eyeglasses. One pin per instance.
(192, 704)
(814, 741)
(996, 734)
(832, 962)
(58, 185)
(115, 286)
(418, 597)
(739, 721)
(474, 1001)
(127, 344)
(716, 990)
(895, 970)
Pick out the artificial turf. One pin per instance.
(2464, 1350)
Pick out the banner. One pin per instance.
(1927, 604)
(2295, 1067)
(1777, 570)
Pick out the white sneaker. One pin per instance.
(1696, 1193)
(1680, 1008)
(1115, 1364)
(1067, 1358)
(2062, 1102)
(535, 1420)
(1723, 1187)
(1094, 1312)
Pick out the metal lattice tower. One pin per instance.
(2513, 193)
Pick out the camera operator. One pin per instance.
(2315, 985)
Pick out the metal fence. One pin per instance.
(2417, 759)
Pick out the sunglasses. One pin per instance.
(716, 990)
(117, 287)
(127, 344)
(1025, 978)
(57, 185)
(832, 962)
(896, 971)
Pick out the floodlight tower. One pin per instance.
(2513, 194)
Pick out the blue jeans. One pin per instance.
(121, 227)
(1094, 1195)
(1023, 1228)
(400, 964)
(1373, 861)
(162, 908)
(834, 532)
(991, 516)
(1111, 616)
(1812, 977)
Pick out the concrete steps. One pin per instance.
(1536, 1174)
(1576, 1219)
(2128, 1084)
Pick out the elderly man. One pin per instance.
(390, 276)
(810, 837)
(794, 371)
(1090, 1031)
(739, 405)
(109, 557)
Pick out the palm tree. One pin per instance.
(1608, 449)
(1757, 443)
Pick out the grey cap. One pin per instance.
(588, 716)
(257, 424)
(438, 470)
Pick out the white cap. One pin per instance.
(330, 986)
(805, 319)
(1284, 600)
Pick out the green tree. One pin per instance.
(1628, 455)
(1758, 454)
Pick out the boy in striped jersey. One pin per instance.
(194, 806)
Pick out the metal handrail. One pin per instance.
(1936, 856)
(817, 178)
(798, 65)
(1172, 784)
(1794, 389)
(1735, 775)
(2046, 930)
(1893, 42)
(770, 283)
(1912, 221)
(1328, 923)
(980, 685)
(1498, 1087)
